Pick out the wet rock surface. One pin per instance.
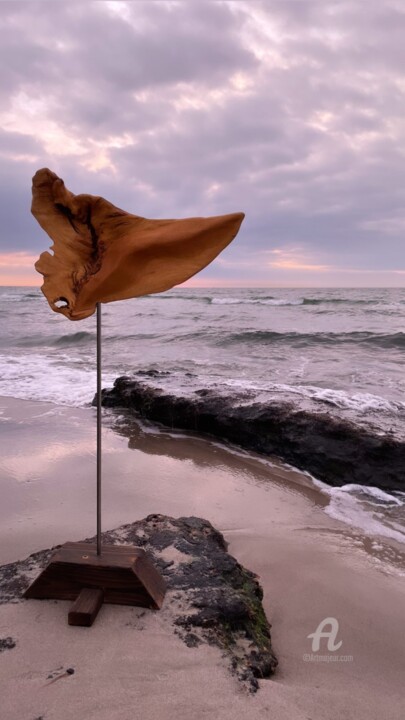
(211, 598)
(333, 450)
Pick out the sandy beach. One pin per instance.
(131, 663)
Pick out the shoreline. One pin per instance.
(334, 450)
(75, 442)
(310, 567)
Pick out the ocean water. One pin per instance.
(336, 350)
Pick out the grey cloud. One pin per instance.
(102, 59)
(18, 229)
(13, 143)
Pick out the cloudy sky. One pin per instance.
(292, 111)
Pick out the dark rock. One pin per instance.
(211, 598)
(153, 373)
(190, 639)
(333, 450)
(7, 643)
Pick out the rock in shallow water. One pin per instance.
(211, 598)
(333, 450)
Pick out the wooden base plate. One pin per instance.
(124, 574)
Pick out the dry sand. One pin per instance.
(130, 663)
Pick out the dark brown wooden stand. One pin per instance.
(121, 574)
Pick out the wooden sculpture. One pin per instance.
(102, 253)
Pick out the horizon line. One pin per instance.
(254, 287)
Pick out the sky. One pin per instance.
(292, 111)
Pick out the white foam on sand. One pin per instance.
(366, 508)
(48, 378)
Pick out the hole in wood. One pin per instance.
(61, 302)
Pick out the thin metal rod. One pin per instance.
(98, 429)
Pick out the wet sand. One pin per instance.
(311, 567)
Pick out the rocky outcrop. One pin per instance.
(211, 598)
(333, 450)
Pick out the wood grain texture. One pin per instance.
(125, 574)
(86, 607)
(101, 253)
